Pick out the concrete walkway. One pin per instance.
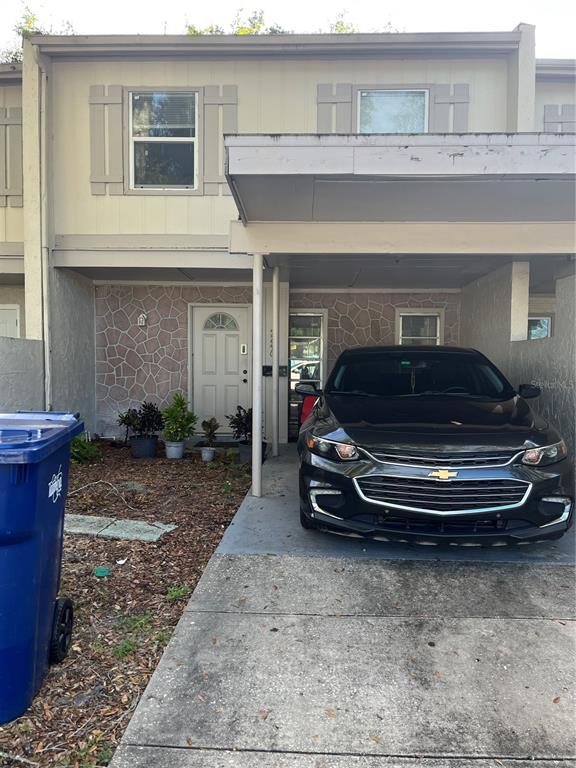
(304, 649)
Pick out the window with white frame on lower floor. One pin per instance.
(163, 140)
(539, 327)
(419, 327)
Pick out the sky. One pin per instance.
(555, 20)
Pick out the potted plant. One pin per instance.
(179, 425)
(209, 427)
(241, 425)
(144, 422)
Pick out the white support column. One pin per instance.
(275, 359)
(257, 315)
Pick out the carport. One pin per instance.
(487, 216)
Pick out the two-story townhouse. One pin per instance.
(222, 215)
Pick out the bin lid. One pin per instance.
(29, 437)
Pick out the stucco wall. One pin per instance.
(72, 344)
(488, 315)
(494, 310)
(14, 294)
(551, 364)
(361, 319)
(135, 363)
(21, 375)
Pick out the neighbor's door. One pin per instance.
(222, 360)
(9, 320)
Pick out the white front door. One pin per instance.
(222, 360)
(9, 320)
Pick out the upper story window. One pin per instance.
(393, 111)
(163, 140)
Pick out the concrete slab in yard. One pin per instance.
(112, 528)
(146, 757)
(89, 525)
(348, 586)
(365, 686)
(136, 530)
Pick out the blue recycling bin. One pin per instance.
(35, 626)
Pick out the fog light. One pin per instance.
(336, 501)
(556, 507)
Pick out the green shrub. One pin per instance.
(84, 452)
(179, 422)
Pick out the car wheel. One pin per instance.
(305, 521)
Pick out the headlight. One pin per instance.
(549, 454)
(333, 451)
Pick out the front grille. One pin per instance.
(494, 459)
(439, 526)
(442, 496)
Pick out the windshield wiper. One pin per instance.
(351, 392)
(432, 393)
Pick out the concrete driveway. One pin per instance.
(304, 649)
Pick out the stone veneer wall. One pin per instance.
(360, 319)
(134, 363)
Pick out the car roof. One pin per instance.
(414, 348)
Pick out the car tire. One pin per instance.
(305, 521)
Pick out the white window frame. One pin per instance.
(132, 140)
(425, 91)
(542, 317)
(402, 312)
(18, 312)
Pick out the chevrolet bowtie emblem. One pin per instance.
(443, 474)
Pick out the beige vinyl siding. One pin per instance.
(11, 219)
(552, 93)
(273, 97)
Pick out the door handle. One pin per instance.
(245, 381)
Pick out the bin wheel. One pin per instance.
(61, 630)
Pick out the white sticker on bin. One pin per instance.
(55, 486)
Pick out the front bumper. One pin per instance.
(331, 496)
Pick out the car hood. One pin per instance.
(439, 422)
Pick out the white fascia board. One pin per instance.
(476, 155)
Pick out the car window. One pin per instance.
(403, 374)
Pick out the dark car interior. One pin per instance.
(394, 375)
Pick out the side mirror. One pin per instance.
(529, 390)
(307, 390)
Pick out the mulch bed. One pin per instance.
(123, 621)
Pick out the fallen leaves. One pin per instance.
(86, 703)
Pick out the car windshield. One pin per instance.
(413, 373)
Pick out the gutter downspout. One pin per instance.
(44, 243)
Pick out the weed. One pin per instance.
(125, 648)
(84, 452)
(177, 593)
(160, 640)
(91, 754)
(139, 622)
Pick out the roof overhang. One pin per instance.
(11, 74)
(403, 178)
(556, 69)
(436, 44)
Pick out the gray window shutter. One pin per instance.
(560, 118)
(334, 108)
(220, 117)
(442, 97)
(11, 157)
(106, 144)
